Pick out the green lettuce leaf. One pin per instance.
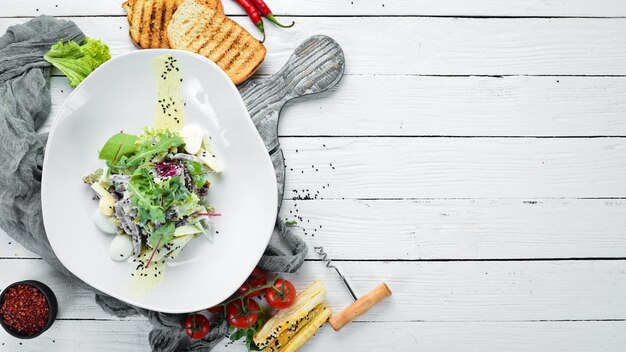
(162, 235)
(77, 61)
(119, 145)
(199, 173)
(177, 194)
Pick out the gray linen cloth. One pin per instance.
(24, 105)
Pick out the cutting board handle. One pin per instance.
(315, 66)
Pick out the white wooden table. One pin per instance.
(478, 159)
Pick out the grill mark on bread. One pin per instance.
(189, 42)
(254, 53)
(192, 26)
(146, 35)
(234, 58)
(222, 43)
(144, 39)
(228, 65)
(220, 40)
(235, 43)
(162, 36)
(138, 32)
(238, 63)
(155, 26)
(215, 32)
(216, 28)
(188, 31)
(258, 57)
(199, 26)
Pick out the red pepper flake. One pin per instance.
(25, 309)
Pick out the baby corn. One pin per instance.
(295, 315)
(295, 327)
(307, 331)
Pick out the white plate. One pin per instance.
(121, 95)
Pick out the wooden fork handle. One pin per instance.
(360, 306)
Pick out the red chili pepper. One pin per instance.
(266, 12)
(254, 15)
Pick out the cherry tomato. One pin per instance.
(197, 326)
(219, 310)
(256, 279)
(242, 315)
(281, 295)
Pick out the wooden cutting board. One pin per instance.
(315, 66)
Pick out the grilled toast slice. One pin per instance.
(204, 30)
(148, 20)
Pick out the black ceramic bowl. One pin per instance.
(52, 304)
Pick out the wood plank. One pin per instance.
(450, 229)
(441, 229)
(582, 8)
(451, 106)
(438, 46)
(461, 229)
(454, 167)
(463, 106)
(84, 335)
(584, 336)
(9, 248)
(424, 291)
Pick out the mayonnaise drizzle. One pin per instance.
(170, 109)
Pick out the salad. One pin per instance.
(152, 192)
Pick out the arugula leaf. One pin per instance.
(153, 199)
(146, 195)
(164, 234)
(148, 150)
(77, 61)
(119, 145)
(177, 193)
